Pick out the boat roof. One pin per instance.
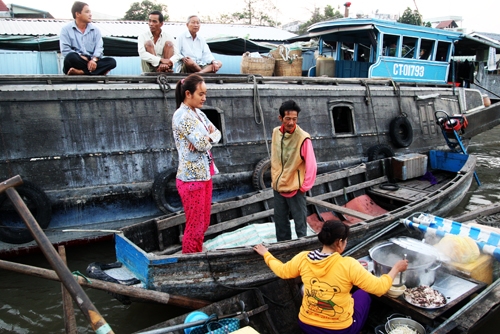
(341, 28)
(359, 31)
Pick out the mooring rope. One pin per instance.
(257, 110)
(162, 80)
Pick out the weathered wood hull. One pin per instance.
(150, 249)
(269, 309)
(273, 307)
(89, 143)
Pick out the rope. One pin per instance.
(370, 102)
(162, 80)
(397, 90)
(257, 111)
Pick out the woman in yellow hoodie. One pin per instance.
(327, 305)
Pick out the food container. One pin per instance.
(396, 291)
(394, 323)
(421, 267)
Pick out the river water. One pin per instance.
(34, 305)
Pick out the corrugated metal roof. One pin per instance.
(51, 27)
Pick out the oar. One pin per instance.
(97, 322)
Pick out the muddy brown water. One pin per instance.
(34, 305)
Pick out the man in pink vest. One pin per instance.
(293, 172)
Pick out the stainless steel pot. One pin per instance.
(394, 323)
(421, 267)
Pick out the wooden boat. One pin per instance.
(103, 147)
(269, 309)
(272, 308)
(150, 250)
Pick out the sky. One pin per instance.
(474, 17)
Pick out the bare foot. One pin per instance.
(75, 71)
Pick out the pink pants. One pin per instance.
(196, 199)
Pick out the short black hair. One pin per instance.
(289, 105)
(77, 8)
(160, 15)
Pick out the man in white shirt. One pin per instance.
(157, 48)
(194, 50)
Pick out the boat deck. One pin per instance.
(411, 190)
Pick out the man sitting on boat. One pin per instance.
(82, 46)
(293, 172)
(194, 50)
(157, 48)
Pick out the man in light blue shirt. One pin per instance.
(82, 46)
(196, 55)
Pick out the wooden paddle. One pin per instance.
(97, 322)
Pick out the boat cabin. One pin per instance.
(372, 48)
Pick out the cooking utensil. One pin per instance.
(401, 273)
(394, 323)
(421, 267)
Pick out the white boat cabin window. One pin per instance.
(216, 117)
(342, 119)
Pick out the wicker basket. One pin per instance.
(285, 68)
(251, 65)
(292, 53)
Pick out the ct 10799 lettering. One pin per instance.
(408, 70)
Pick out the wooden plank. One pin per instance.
(351, 189)
(337, 208)
(264, 195)
(328, 177)
(481, 211)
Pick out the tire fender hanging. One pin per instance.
(401, 131)
(12, 227)
(379, 151)
(165, 195)
(260, 177)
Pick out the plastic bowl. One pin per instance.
(194, 316)
(396, 291)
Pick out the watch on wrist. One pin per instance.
(95, 59)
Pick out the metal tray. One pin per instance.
(427, 307)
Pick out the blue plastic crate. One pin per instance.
(448, 161)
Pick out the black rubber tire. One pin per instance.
(165, 195)
(401, 132)
(13, 229)
(261, 177)
(379, 151)
(389, 186)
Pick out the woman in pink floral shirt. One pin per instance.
(194, 135)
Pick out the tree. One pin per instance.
(256, 12)
(328, 14)
(140, 11)
(411, 17)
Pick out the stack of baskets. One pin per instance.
(288, 61)
(257, 65)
